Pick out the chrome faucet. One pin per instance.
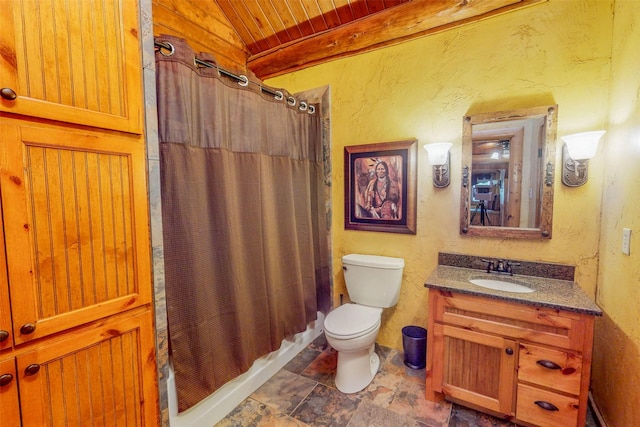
(500, 266)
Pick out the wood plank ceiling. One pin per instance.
(281, 36)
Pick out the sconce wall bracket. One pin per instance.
(441, 177)
(574, 173)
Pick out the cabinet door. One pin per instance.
(76, 62)
(9, 403)
(101, 375)
(477, 368)
(77, 229)
(6, 340)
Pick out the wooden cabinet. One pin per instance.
(477, 367)
(75, 63)
(9, 400)
(528, 364)
(96, 375)
(76, 226)
(77, 277)
(77, 342)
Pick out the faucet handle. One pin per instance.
(510, 266)
(490, 264)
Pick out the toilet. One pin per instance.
(373, 283)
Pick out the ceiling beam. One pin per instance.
(391, 26)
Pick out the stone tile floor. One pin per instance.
(303, 393)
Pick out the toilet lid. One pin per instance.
(352, 319)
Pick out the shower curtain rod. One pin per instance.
(241, 79)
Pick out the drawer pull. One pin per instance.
(3, 335)
(8, 93)
(546, 405)
(5, 379)
(548, 364)
(509, 351)
(31, 369)
(27, 328)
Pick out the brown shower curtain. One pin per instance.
(244, 225)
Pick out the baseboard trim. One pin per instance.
(596, 412)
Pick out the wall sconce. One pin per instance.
(576, 152)
(440, 160)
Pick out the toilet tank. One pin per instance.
(373, 280)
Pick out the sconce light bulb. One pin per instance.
(583, 146)
(438, 152)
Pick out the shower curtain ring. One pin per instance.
(244, 81)
(303, 106)
(168, 46)
(279, 96)
(291, 101)
(312, 109)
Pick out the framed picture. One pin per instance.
(380, 187)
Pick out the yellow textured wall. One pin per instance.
(616, 367)
(556, 52)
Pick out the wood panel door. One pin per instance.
(103, 375)
(6, 330)
(478, 368)
(76, 226)
(77, 63)
(9, 401)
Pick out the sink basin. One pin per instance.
(501, 285)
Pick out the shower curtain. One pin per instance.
(245, 236)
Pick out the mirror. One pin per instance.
(507, 182)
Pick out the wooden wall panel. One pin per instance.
(205, 28)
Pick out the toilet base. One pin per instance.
(356, 369)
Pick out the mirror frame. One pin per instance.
(550, 113)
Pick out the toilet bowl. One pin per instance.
(351, 330)
(373, 283)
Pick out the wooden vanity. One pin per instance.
(517, 357)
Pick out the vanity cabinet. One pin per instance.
(524, 363)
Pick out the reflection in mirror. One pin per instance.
(508, 190)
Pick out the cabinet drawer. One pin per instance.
(560, 370)
(542, 325)
(560, 410)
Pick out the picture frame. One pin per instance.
(380, 187)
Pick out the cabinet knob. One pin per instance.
(3, 335)
(546, 405)
(548, 364)
(27, 328)
(509, 351)
(5, 379)
(8, 93)
(31, 369)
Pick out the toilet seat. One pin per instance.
(352, 320)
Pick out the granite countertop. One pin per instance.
(549, 292)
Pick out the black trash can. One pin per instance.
(414, 343)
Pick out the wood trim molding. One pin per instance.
(395, 25)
